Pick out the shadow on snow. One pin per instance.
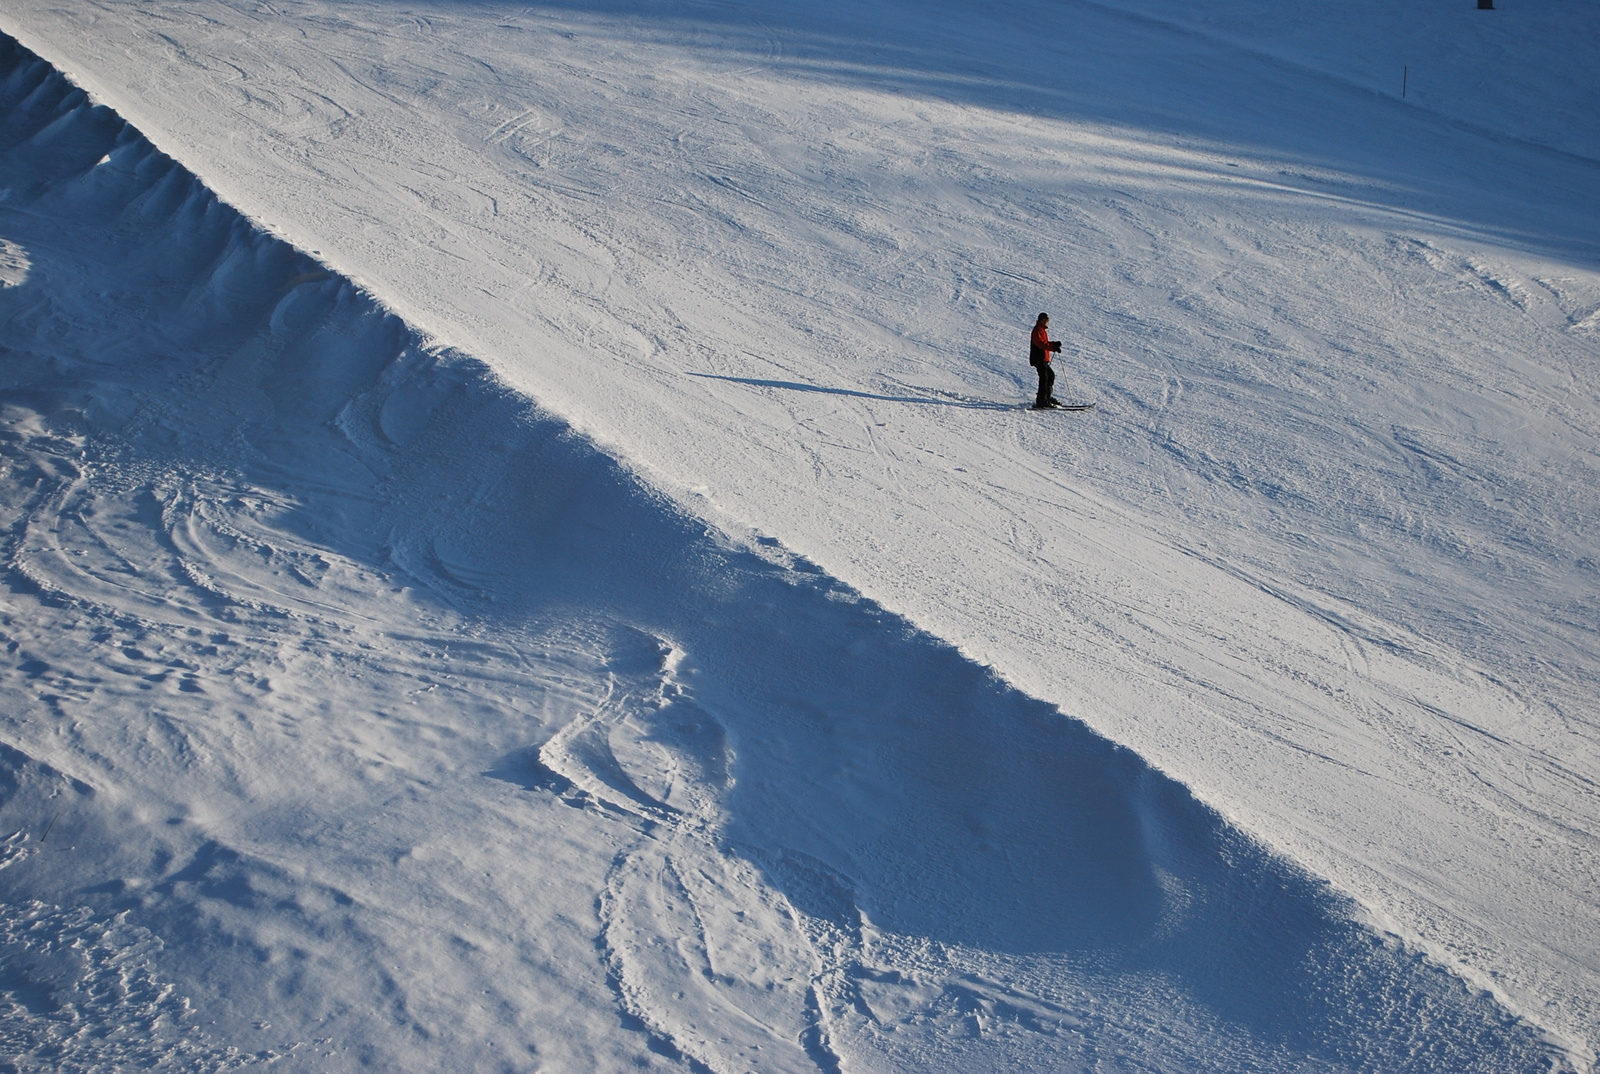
(880, 775)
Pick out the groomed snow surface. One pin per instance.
(566, 582)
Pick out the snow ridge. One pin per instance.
(777, 256)
(372, 714)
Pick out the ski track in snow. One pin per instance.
(348, 674)
(412, 685)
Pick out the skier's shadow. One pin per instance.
(796, 386)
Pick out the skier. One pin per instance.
(1039, 350)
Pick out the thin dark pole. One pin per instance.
(1405, 73)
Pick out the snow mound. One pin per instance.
(1323, 553)
(373, 715)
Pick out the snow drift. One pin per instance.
(361, 714)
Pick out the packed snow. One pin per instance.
(525, 549)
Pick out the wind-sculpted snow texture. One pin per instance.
(361, 715)
(1325, 551)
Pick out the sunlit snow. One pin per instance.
(524, 548)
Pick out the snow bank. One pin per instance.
(1325, 551)
(360, 714)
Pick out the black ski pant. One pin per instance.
(1047, 383)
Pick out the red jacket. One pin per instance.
(1039, 347)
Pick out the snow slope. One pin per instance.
(1523, 72)
(1323, 553)
(368, 718)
